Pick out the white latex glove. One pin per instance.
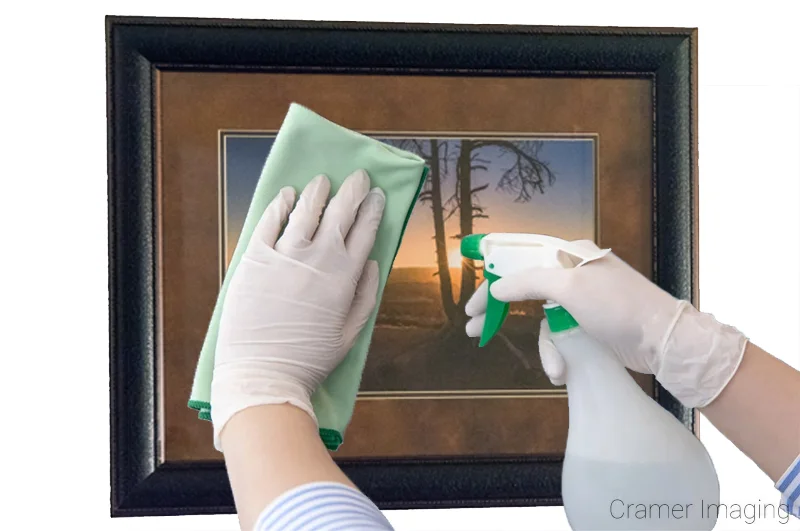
(296, 304)
(691, 354)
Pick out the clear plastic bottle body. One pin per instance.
(629, 464)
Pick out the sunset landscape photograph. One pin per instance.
(539, 184)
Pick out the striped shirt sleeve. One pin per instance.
(789, 486)
(322, 506)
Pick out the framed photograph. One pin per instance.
(580, 133)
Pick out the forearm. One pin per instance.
(759, 411)
(270, 449)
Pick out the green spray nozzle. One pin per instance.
(471, 246)
(507, 253)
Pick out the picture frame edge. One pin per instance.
(136, 475)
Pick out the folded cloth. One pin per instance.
(308, 145)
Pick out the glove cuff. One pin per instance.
(699, 357)
(233, 390)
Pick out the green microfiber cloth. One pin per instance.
(308, 145)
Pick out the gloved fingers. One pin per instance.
(361, 238)
(475, 325)
(363, 301)
(531, 284)
(479, 301)
(344, 206)
(304, 219)
(274, 217)
(552, 361)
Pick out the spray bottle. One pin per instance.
(628, 464)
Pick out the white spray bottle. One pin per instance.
(629, 464)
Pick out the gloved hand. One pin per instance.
(691, 354)
(296, 303)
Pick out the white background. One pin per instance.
(54, 379)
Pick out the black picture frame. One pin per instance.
(137, 47)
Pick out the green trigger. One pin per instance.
(496, 312)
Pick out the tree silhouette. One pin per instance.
(526, 176)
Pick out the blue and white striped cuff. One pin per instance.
(789, 485)
(322, 506)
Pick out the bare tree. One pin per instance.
(437, 156)
(526, 176)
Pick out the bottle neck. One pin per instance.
(585, 358)
(558, 319)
